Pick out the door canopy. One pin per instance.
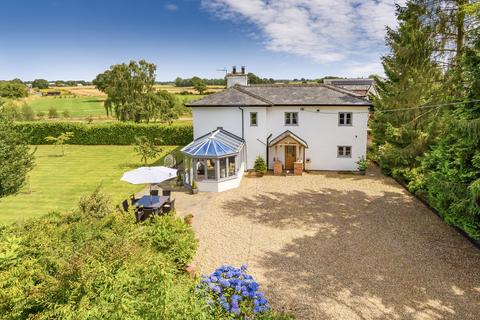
(288, 136)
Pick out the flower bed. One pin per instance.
(234, 291)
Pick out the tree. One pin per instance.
(130, 91)
(146, 149)
(199, 85)
(162, 106)
(61, 140)
(40, 84)
(16, 159)
(412, 80)
(13, 90)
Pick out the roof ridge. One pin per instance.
(253, 95)
(341, 90)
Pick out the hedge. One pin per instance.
(116, 133)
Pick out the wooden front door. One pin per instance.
(290, 156)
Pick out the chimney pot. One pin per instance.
(243, 69)
(234, 70)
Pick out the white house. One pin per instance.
(306, 126)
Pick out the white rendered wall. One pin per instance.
(323, 134)
(319, 129)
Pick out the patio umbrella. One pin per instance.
(144, 175)
(150, 175)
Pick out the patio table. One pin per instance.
(151, 202)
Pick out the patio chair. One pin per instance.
(143, 214)
(154, 192)
(125, 205)
(166, 193)
(169, 206)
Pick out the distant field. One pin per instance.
(57, 183)
(81, 107)
(91, 91)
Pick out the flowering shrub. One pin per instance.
(234, 291)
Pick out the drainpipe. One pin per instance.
(268, 138)
(243, 123)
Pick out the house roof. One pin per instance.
(218, 143)
(283, 95)
(286, 134)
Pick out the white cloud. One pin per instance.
(171, 7)
(347, 31)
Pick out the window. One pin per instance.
(253, 119)
(231, 166)
(345, 119)
(344, 152)
(210, 169)
(291, 118)
(200, 170)
(223, 168)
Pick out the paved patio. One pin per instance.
(339, 246)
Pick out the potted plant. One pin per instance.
(362, 165)
(194, 187)
(179, 179)
(188, 219)
(260, 166)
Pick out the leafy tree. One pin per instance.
(254, 79)
(16, 159)
(61, 140)
(162, 106)
(52, 113)
(13, 90)
(146, 149)
(199, 85)
(131, 93)
(40, 84)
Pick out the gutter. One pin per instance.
(243, 123)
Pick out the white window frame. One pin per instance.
(256, 119)
(345, 117)
(290, 118)
(342, 152)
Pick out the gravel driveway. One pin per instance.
(339, 246)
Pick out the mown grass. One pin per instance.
(57, 183)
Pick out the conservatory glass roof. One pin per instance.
(218, 143)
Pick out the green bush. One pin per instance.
(27, 113)
(260, 166)
(116, 133)
(52, 113)
(66, 114)
(84, 266)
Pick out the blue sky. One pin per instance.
(73, 39)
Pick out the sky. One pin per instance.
(281, 39)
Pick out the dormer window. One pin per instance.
(291, 118)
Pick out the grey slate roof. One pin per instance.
(283, 95)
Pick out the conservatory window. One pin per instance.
(231, 166)
(223, 168)
(200, 170)
(210, 169)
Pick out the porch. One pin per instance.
(287, 154)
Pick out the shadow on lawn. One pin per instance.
(383, 257)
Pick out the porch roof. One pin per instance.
(286, 134)
(215, 144)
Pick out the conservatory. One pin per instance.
(216, 161)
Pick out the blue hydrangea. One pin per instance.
(234, 290)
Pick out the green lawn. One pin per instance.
(57, 183)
